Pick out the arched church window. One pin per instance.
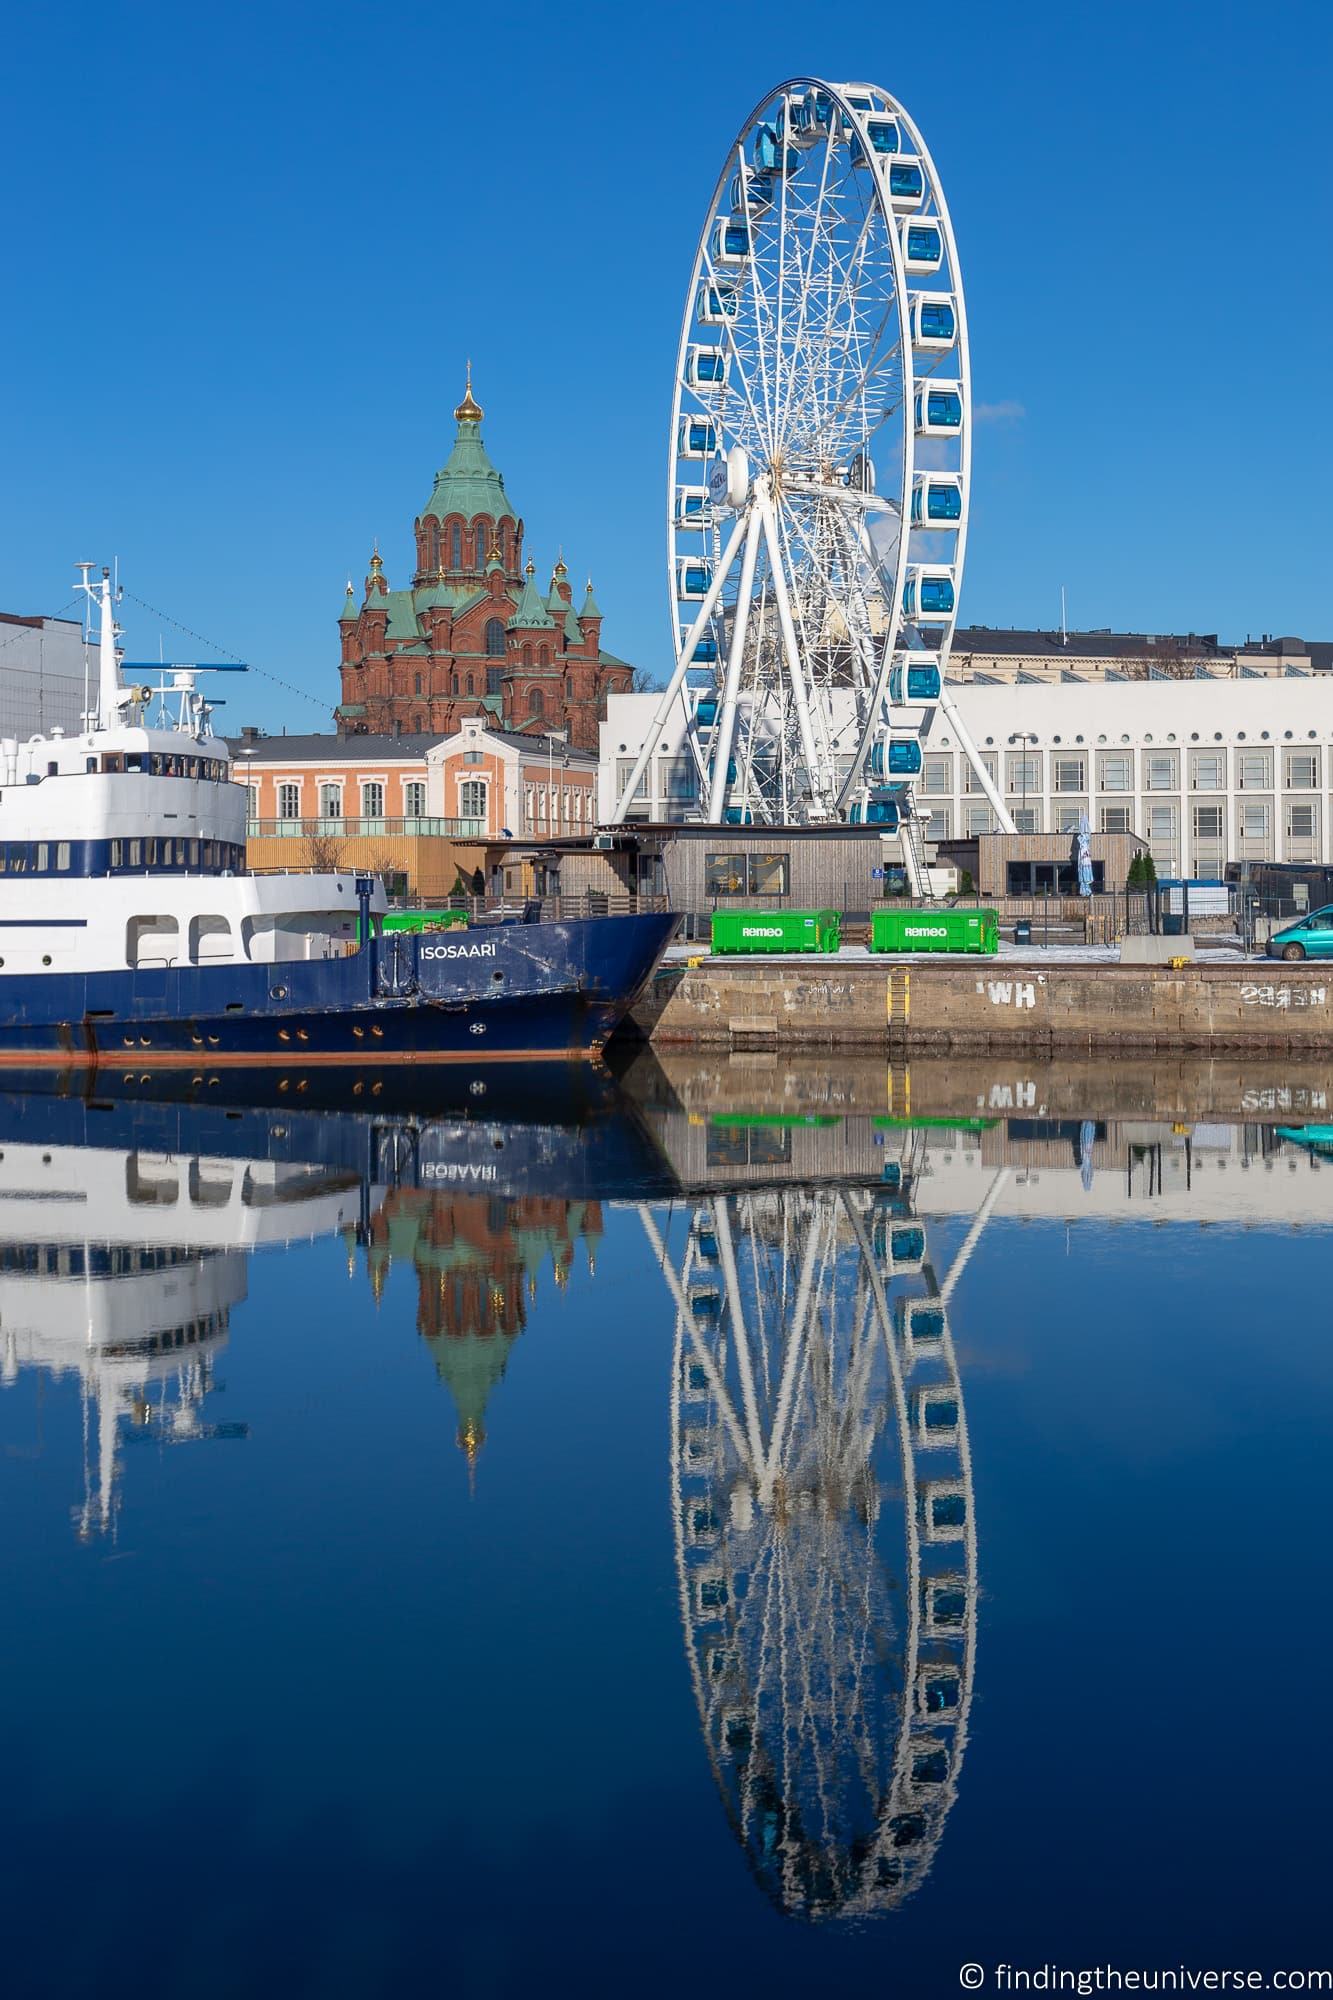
(456, 547)
(527, 656)
(453, 683)
(544, 656)
(480, 540)
(495, 680)
(471, 685)
(500, 542)
(537, 700)
(569, 687)
(435, 545)
(495, 639)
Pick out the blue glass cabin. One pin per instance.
(692, 507)
(907, 184)
(706, 368)
(923, 682)
(923, 247)
(731, 242)
(705, 655)
(695, 578)
(756, 189)
(881, 810)
(937, 503)
(771, 156)
(935, 599)
(899, 758)
(705, 713)
(733, 816)
(715, 304)
(938, 410)
(934, 323)
(796, 119)
(698, 438)
(883, 136)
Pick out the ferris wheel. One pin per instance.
(819, 467)
(826, 1552)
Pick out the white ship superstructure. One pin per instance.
(124, 846)
(122, 1268)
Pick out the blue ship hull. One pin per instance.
(562, 1130)
(494, 993)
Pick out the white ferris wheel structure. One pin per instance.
(826, 1545)
(819, 472)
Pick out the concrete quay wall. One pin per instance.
(981, 1004)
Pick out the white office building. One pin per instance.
(43, 675)
(1206, 771)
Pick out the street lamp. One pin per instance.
(1025, 737)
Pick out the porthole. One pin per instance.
(46, 958)
(277, 992)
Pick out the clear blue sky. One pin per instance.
(249, 250)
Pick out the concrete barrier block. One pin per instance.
(1155, 950)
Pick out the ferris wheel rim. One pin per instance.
(843, 119)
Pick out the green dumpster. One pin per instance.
(934, 930)
(776, 930)
(424, 920)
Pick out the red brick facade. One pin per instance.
(473, 636)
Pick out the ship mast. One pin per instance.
(110, 688)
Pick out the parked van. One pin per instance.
(1310, 936)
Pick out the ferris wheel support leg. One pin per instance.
(973, 1237)
(949, 707)
(726, 722)
(795, 672)
(673, 687)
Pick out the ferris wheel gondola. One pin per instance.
(820, 461)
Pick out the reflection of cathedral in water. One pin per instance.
(825, 1537)
(478, 1259)
(122, 1267)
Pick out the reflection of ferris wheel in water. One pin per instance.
(820, 459)
(818, 1422)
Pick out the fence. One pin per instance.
(365, 829)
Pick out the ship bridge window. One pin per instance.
(113, 760)
(152, 940)
(150, 1183)
(210, 937)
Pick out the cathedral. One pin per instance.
(474, 635)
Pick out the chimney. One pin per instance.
(249, 733)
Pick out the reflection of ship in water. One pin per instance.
(478, 1259)
(122, 1267)
(825, 1534)
(128, 1203)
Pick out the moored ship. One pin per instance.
(131, 931)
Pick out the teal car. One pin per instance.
(1309, 937)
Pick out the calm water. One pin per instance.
(747, 1534)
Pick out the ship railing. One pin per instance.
(551, 909)
(376, 827)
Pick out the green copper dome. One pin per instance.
(467, 483)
